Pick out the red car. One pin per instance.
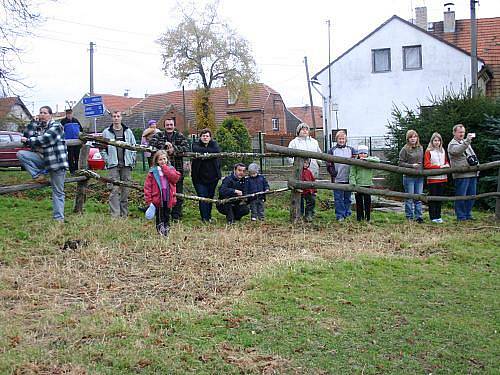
(8, 156)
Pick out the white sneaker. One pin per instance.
(437, 221)
(254, 219)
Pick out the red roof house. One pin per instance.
(303, 113)
(488, 45)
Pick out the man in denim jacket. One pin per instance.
(120, 163)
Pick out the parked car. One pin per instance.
(8, 156)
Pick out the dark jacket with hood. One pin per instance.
(230, 184)
(205, 171)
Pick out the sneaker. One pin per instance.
(419, 220)
(254, 219)
(340, 219)
(437, 221)
(440, 220)
(163, 229)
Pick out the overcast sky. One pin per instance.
(56, 61)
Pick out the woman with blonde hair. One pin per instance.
(435, 158)
(411, 156)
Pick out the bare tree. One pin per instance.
(16, 20)
(204, 50)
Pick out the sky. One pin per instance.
(55, 60)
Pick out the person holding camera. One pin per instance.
(461, 154)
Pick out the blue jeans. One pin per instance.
(465, 186)
(413, 185)
(32, 162)
(57, 182)
(207, 191)
(342, 203)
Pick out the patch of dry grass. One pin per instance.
(124, 265)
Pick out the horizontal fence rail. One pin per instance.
(35, 185)
(380, 166)
(292, 184)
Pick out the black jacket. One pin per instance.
(179, 142)
(230, 184)
(205, 171)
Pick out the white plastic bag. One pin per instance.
(150, 212)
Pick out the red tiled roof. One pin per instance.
(257, 97)
(304, 114)
(118, 103)
(488, 43)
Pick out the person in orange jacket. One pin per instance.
(435, 158)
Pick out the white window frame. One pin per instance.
(276, 123)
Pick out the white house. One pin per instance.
(398, 64)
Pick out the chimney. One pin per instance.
(449, 18)
(421, 17)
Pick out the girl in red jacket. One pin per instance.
(159, 189)
(435, 158)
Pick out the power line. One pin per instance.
(99, 27)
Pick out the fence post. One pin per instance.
(261, 151)
(282, 143)
(81, 188)
(497, 206)
(295, 203)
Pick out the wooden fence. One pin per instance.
(295, 183)
(84, 174)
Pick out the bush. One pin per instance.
(233, 136)
(480, 115)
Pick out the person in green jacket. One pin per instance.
(361, 176)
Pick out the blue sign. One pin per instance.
(92, 100)
(94, 110)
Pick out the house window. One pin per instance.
(276, 124)
(412, 57)
(381, 60)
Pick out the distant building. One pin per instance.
(457, 32)
(399, 63)
(13, 114)
(261, 110)
(111, 103)
(303, 113)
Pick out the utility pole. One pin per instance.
(473, 47)
(329, 114)
(92, 44)
(310, 99)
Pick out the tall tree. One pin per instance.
(16, 20)
(203, 49)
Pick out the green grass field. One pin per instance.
(389, 297)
